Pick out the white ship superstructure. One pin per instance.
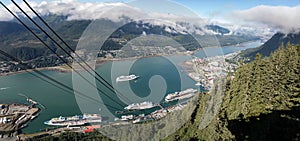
(188, 93)
(126, 78)
(140, 106)
(75, 120)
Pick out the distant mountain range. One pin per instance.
(19, 42)
(273, 44)
(218, 29)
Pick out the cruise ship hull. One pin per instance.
(64, 123)
(181, 95)
(140, 106)
(75, 120)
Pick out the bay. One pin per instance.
(157, 75)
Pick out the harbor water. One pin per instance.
(61, 102)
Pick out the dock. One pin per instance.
(158, 105)
(15, 116)
(30, 100)
(125, 111)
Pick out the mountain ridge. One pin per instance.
(273, 44)
(19, 42)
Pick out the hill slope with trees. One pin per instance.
(273, 44)
(262, 102)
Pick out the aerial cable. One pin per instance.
(56, 83)
(101, 80)
(55, 52)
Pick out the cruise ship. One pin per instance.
(188, 93)
(140, 106)
(75, 120)
(126, 78)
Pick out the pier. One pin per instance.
(15, 116)
(30, 100)
(158, 105)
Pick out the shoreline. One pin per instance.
(56, 68)
(66, 69)
(99, 61)
(240, 45)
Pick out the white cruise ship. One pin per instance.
(140, 106)
(74, 120)
(188, 93)
(126, 78)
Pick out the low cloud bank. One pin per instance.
(284, 18)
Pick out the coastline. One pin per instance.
(66, 69)
(56, 68)
(239, 45)
(100, 61)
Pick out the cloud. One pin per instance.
(73, 9)
(116, 11)
(284, 18)
(76, 10)
(185, 22)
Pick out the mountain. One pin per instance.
(273, 44)
(7, 28)
(19, 42)
(218, 29)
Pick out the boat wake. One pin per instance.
(4, 88)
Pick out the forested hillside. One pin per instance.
(262, 102)
(265, 85)
(273, 44)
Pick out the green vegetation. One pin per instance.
(261, 102)
(265, 85)
(206, 122)
(72, 136)
(273, 44)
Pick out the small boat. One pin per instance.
(126, 78)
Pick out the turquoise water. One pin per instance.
(157, 75)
